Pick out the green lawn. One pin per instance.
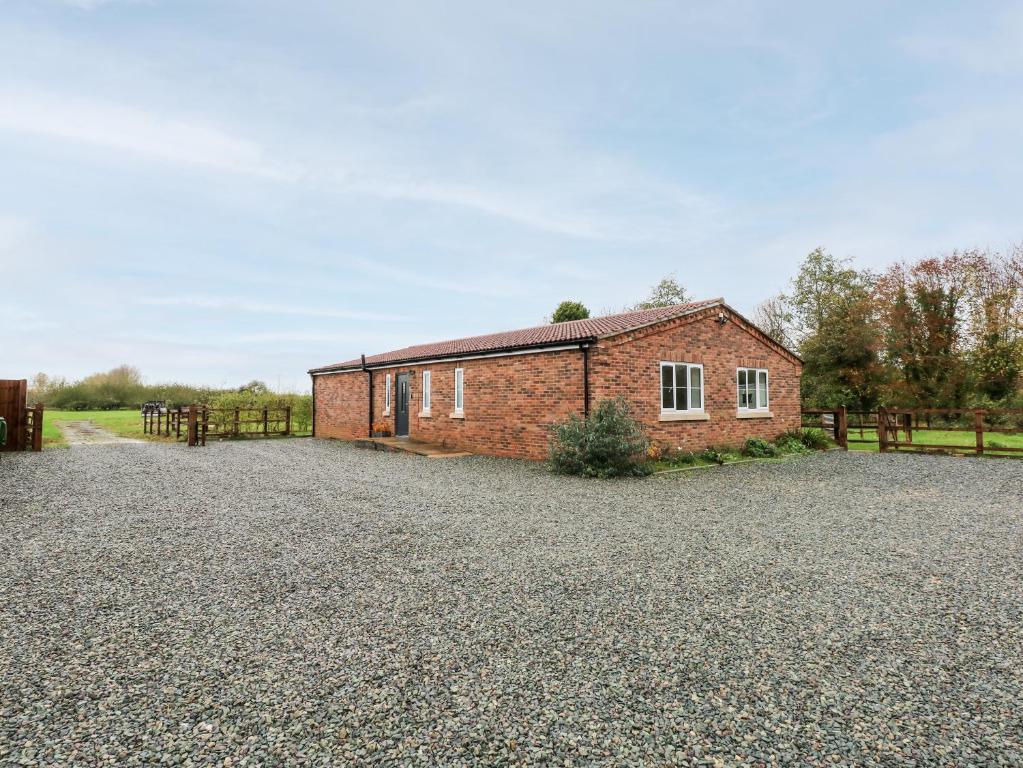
(124, 423)
(992, 440)
(52, 438)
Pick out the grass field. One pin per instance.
(992, 440)
(127, 423)
(124, 423)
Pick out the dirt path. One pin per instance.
(88, 433)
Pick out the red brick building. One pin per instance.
(696, 375)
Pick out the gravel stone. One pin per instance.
(301, 602)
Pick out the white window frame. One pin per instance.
(387, 395)
(759, 407)
(426, 392)
(688, 387)
(459, 391)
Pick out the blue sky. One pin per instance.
(221, 191)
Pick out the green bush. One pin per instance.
(815, 439)
(609, 443)
(679, 458)
(712, 455)
(756, 448)
(811, 437)
(790, 443)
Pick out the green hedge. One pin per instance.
(301, 410)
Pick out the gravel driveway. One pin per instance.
(306, 602)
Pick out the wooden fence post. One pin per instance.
(205, 424)
(178, 424)
(236, 416)
(193, 425)
(978, 424)
(37, 428)
(266, 425)
(287, 420)
(882, 430)
(842, 428)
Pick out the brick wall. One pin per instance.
(630, 365)
(508, 402)
(341, 410)
(511, 401)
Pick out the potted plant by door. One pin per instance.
(381, 429)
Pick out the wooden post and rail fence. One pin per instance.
(197, 422)
(906, 430)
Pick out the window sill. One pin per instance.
(684, 416)
(457, 415)
(387, 412)
(754, 415)
(424, 414)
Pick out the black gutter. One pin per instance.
(458, 355)
(586, 379)
(369, 432)
(312, 380)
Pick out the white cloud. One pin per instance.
(123, 128)
(91, 5)
(233, 304)
(489, 284)
(15, 318)
(629, 206)
(998, 49)
(13, 233)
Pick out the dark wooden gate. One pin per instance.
(13, 394)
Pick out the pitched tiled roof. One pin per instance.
(539, 337)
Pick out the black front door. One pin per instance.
(401, 406)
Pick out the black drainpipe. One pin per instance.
(370, 374)
(312, 379)
(586, 379)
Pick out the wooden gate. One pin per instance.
(12, 408)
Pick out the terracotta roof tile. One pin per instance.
(540, 336)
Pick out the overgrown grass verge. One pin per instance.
(52, 436)
(797, 442)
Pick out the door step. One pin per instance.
(404, 445)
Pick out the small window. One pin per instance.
(681, 387)
(426, 391)
(459, 389)
(752, 384)
(387, 393)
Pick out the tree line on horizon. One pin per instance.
(124, 387)
(937, 332)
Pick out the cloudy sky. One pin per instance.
(221, 191)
